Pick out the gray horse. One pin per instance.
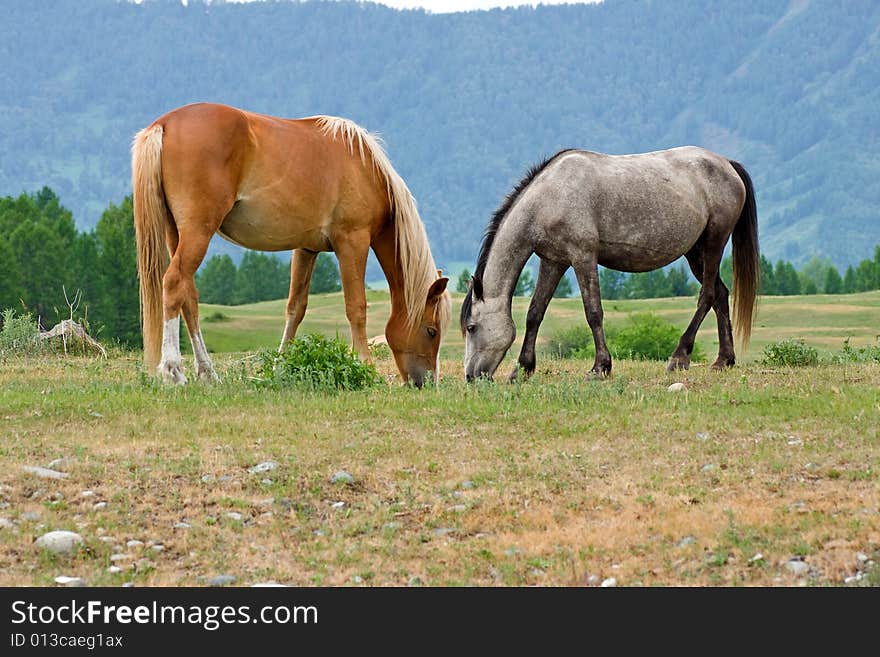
(632, 213)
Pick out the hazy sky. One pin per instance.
(442, 6)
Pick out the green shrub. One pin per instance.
(20, 334)
(790, 353)
(850, 354)
(316, 363)
(216, 316)
(645, 337)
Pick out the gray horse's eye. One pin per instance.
(471, 328)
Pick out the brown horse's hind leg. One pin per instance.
(587, 272)
(705, 258)
(179, 295)
(302, 264)
(549, 275)
(726, 356)
(351, 251)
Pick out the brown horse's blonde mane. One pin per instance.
(413, 250)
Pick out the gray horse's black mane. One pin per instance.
(492, 229)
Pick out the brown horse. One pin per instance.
(314, 184)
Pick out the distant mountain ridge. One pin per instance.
(466, 101)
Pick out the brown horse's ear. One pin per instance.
(477, 287)
(437, 288)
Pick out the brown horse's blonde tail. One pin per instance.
(151, 216)
(746, 262)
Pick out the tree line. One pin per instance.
(42, 255)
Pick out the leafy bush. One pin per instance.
(850, 354)
(216, 316)
(20, 334)
(790, 353)
(316, 363)
(645, 337)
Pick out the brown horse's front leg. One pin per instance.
(352, 254)
(587, 272)
(549, 275)
(302, 264)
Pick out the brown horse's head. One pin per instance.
(416, 345)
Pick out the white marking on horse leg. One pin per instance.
(170, 365)
(288, 330)
(204, 366)
(437, 369)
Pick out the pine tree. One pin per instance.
(833, 281)
(216, 281)
(564, 289)
(849, 280)
(464, 281)
(119, 307)
(525, 284)
(325, 277)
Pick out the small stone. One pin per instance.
(467, 485)
(608, 583)
(221, 580)
(318, 532)
(357, 579)
(106, 539)
(414, 581)
(338, 505)
(797, 566)
(702, 435)
(444, 531)
(687, 540)
(87, 493)
(6, 523)
(592, 580)
(341, 477)
(134, 544)
(458, 508)
(852, 579)
(119, 556)
(96, 414)
(235, 516)
(266, 481)
(793, 442)
(678, 386)
(708, 467)
(265, 466)
(798, 507)
(393, 525)
(64, 580)
(61, 464)
(99, 505)
(269, 501)
(127, 585)
(861, 556)
(44, 473)
(756, 557)
(207, 479)
(182, 525)
(114, 569)
(158, 547)
(30, 516)
(59, 542)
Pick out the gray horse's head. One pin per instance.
(488, 331)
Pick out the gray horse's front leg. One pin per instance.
(587, 272)
(549, 275)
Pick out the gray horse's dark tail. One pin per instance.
(746, 261)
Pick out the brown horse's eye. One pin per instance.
(432, 332)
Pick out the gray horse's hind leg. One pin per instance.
(549, 275)
(707, 261)
(587, 272)
(726, 356)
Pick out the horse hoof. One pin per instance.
(722, 364)
(678, 363)
(597, 375)
(209, 376)
(172, 373)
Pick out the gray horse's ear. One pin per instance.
(437, 288)
(477, 287)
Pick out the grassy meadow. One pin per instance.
(556, 481)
